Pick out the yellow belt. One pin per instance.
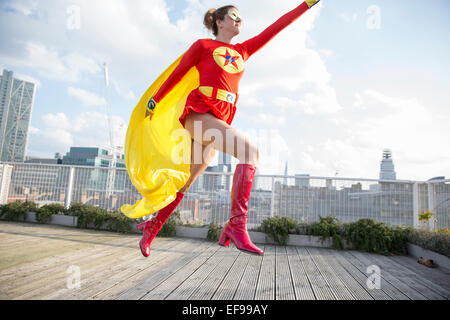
(218, 94)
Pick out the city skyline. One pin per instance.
(353, 84)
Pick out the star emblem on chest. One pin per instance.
(228, 59)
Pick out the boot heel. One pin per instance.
(224, 240)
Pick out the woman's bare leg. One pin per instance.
(197, 169)
(206, 129)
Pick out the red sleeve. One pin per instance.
(254, 44)
(190, 59)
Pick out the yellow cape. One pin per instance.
(158, 151)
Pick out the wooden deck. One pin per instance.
(35, 263)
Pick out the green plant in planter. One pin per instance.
(44, 213)
(17, 211)
(372, 236)
(438, 242)
(100, 218)
(213, 232)
(328, 227)
(119, 222)
(278, 228)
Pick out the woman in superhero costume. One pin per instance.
(201, 91)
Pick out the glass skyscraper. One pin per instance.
(16, 104)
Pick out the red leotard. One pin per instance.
(221, 65)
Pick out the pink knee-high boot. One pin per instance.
(152, 227)
(236, 228)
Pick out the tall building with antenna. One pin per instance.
(285, 173)
(387, 170)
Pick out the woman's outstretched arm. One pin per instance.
(254, 44)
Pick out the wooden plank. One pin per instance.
(265, 289)
(385, 286)
(388, 277)
(283, 279)
(191, 283)
(47, 266)
(337, 286)
(167, 286)
(28, 252)
(146, 286)
(408, 277)
(302, 287)
(212, 282)
(143, 269)
(30, 258)
(354, 286)
(49, 284)
(111, 274)
(322, 290)
(358, 275)
(436, 276)
(230, 283)
(246, 289)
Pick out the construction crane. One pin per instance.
(114, 154)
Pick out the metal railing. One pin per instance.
(302, 198)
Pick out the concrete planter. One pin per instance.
(439, 260)
(63, 220)
(259, 237)
(190, 232)
(31, 217)
(56, 219)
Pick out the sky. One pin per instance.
(327, 95)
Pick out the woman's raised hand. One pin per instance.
(150, 108)
(311, 3)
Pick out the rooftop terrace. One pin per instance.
(43, 261)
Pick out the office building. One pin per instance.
(96, 157)
(387, 171)
(16, 104)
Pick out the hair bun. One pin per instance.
(209, 19)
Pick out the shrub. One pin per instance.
(278, 228)
(438, 242)
(44, 213)
(213, 232)
(328, 227)
(17, 211)
(377, 237)
(100, 218)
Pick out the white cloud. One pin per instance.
(376, 121)
(51, 65)
(89, 129)
(86, 97)
(323, 101)
(348, 17)
(27, 7)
